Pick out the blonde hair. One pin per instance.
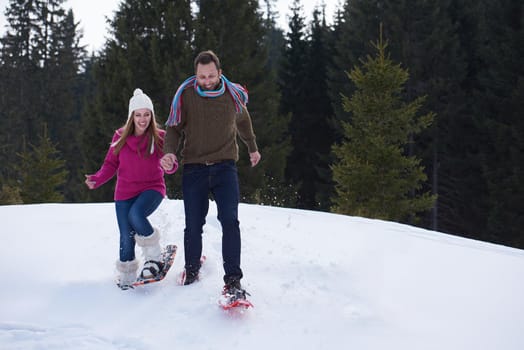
(152, 133)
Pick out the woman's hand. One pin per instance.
(168, 161)
(91, 184)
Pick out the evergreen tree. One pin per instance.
(91, 147)
(292, 68)
(19, 72)
(374, 176)
(243, 54)
(149, 48)
(291, 80)
(317, 122)
(429, 44)
(448, 75)
(279, 191)
(63, 97)
(40, 59)
(275, 40)
(355, 26)
(428, 41)
(303, 80)
(42, 172)
(499, 112)
(10, 195)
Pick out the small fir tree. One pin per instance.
(10, 195)
(373, 176)
(40, 62)
(42, 172)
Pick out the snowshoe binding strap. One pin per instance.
(151, 269)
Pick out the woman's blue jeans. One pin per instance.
(221, 181)
(132, 219)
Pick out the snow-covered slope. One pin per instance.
(317, 280)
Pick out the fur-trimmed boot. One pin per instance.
(127, 273)
(152, 253)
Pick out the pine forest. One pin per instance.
(409, 111)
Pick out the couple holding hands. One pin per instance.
(207, 113)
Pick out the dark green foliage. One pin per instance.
(499, 119)
(291, 80)
(40, 62)
(10, 195)
(149, 49)
(41, 172)
(355, 26)
(374, 178)
(435, 41)
(291, 76)
(63, 98)
(317, 121)
(19, 73)
(274, 38)
(463, 55)
(305, 96)
(428, 42)
(237, 33)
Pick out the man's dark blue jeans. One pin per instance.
(221, 181)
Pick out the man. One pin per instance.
(208, 111)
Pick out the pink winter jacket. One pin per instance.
(136, 171)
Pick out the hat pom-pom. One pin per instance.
(137, 92)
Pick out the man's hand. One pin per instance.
(168, 161)
(254, 158)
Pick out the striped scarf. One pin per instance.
(237, 92)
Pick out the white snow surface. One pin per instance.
(317, 280)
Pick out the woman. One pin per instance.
(134, 155)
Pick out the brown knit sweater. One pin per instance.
(209, 128)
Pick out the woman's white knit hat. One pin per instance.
(138, 101)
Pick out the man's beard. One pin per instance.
(214, 87)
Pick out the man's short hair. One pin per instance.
(206, 57)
